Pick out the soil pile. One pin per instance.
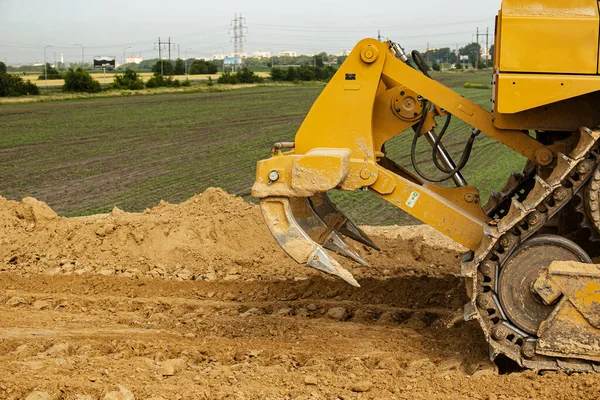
(212, 235)
(197, 301)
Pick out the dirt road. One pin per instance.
(196, 301)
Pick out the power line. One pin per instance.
(355, 28)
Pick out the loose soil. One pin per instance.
(197, 301)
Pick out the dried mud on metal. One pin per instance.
(197, 301)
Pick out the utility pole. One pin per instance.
(185, 61)
(160, 54)
(428, 54)
(160, 44)
(81, 53)
(128, 47)
(478, 52)
(487, 48)
(486, 34)
(46, 66)
(457, 54)
(378, 35)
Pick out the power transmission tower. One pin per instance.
(379, 36)
(242, 39)
(238, 39)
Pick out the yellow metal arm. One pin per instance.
(395, 72)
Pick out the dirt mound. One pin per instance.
(197, 301)
(212, 235)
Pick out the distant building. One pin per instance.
(133, 60)
(261, 54)
(343, 53)
(287, 53)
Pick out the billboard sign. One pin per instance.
(105, 62)
(232, 60)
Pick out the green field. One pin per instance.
(87, 156)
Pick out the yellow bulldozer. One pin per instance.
(541, 314)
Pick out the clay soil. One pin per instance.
(196, 301)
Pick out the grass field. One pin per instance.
(87, 156)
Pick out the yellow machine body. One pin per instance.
(376, 95)
(563, 36)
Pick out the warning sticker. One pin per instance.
(412, 199)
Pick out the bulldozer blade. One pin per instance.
(286, 224)
(334, 218)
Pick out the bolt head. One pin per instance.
(583, 167)
(365, 173)
(273, 176)
(560, 194)
(528, 349)
(487, 268)
(485, 301)
(533, 218)
(499, 332)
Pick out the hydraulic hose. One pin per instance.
(450, 173)
(423, 67)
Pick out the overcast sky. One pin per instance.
(106, 27)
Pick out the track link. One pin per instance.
(534, 201)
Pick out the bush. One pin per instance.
(210, 81)
(228, 78)
(303, 73)
(242, 76)
(158, 80)
(246, 76)
(436, 67)
(80, 81)
(13, 85)
(2, 68)
(186, 83)
(202, 67)
(167, 67)
(179, 67)
(129, 80)
(51, 73)
(278, 74)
